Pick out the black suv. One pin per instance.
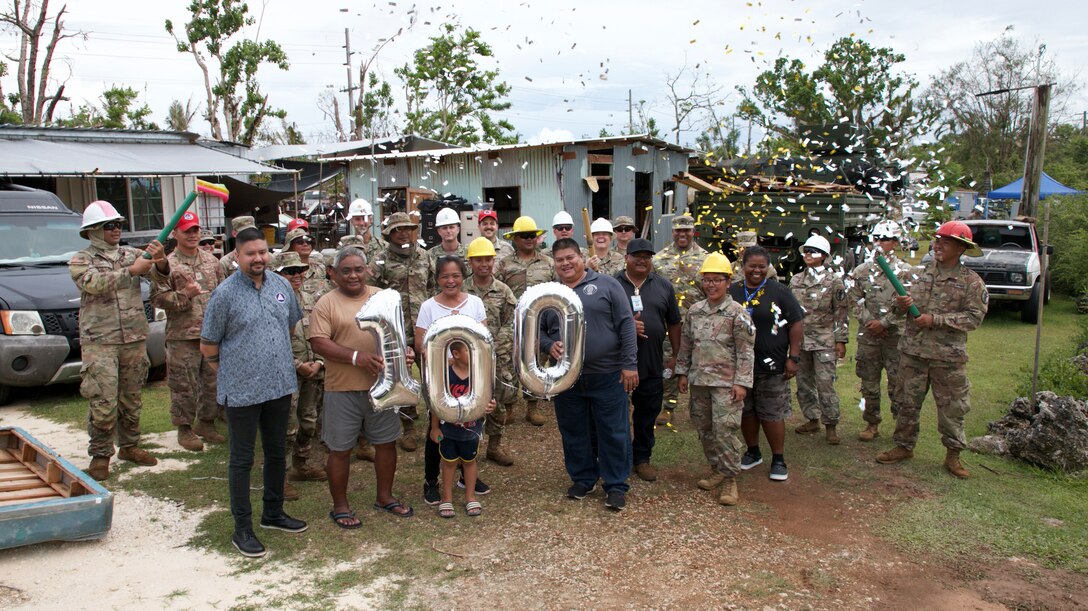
(39, 303)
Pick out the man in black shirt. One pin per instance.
(653, 302)
(779, 329)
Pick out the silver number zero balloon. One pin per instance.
(472, 405)
(382, 316)
(548, 381)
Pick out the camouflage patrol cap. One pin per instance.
(239, 223)
(351, 240)
(293, 235)
(397, 219)
(288, 261)
(623, 221)
(684, 221)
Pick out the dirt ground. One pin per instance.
(801, 544)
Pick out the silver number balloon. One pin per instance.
(382, 316)
(472, 405)
(548, 381)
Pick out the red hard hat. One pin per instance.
(296, 223)
(962, 233)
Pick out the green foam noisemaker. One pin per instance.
(883, 263)
(215, 190)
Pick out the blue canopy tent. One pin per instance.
(1047, 186)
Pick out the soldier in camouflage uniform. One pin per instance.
(679, 262)
(952, 300)
(404, 267)
(600, 256)
(228, 262)
(112, 333)
(315, 281)
(872, 300)
(499, 302)
(526, 267)
(448, 226)
(822, 294)
(310, 369)
(747, 239)
(717, 346)
(183, 294)
(623, 228)
(488, 221)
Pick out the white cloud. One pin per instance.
(548, 134)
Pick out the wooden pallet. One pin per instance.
(28, 473)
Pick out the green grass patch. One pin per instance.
(60, 404)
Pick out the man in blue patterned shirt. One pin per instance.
(247, 338)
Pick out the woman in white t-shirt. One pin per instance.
(450, 275)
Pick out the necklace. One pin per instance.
(637, 286)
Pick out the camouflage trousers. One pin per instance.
(192, 383)
(716, 418)
(871, 360)
(951, 393)
(113, 376)
(672, 391)
(303, 418)
(506, 396)
(816, 386)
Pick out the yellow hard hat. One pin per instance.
(716, 263)
(481, 247)
(523, 224)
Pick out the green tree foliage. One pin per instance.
(229, 63)
(9, 113)
(856, 82)
(1067, 155)
(179, 118)
(116, 110)
(450, 97)
(374, 111)
(38, 34)
(1069, 236)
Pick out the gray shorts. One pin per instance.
(350, 413)
(769, 398)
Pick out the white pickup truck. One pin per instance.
(1010, 264)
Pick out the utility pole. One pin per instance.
(351, 86)
(630, 114)
(1036, 147)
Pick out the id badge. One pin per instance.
(636, 303)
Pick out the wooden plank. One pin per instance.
(598, 158)
(33, 493)
(53, 473)
(20, 484)
(22, 501)
(568, 155)
(29, 453)
(77, 488)
(12, 466)
(14, 476)
(639, 150)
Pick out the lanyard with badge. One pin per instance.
(749, 304)
(636, 299)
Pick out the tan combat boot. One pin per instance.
(302, 471)
(409, 441)
(894, 455)
(729, 495)
(646, 472)
(953, 465)
(138, 456)
(870, 433)
(664, 418)
(364, 451)
(832, 436)
(100, 468)
(812, 426)
(713, 481)
(206, 430)
(289, 492)
(188, 439)
(495, 452)
(534, 414)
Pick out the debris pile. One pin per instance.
(1054, 436)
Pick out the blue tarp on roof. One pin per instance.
(1047, 186)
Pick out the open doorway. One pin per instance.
(506, 202)
(644, 203)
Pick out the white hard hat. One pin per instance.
(562, 218)
(818, 242)
(887, 229)
(447, 216)
(360, 207)
(98, 212)
(601, 225)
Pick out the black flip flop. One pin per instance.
(394, 505)
(336, 517)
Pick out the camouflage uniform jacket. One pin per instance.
(229, 263)
(315, 280)
(611, 264)
(300, 335)
(499, 303)
(872, 297)
(717, 345)
(185, 316)
(681, 267)
(519, 274)
(503, 248)
(373, 249)
(407, 273)
(957, 299)
(433, 254)
(111, 309)
(822, 295)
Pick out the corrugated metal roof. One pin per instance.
(508, 147)
(53, 157)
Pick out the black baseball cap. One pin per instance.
(640, 245)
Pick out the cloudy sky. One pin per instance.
(570, 64)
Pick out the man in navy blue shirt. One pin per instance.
(609, 373)
(247, 337)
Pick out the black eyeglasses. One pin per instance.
(112, 226)
(624, 228)
(564, 228)
(303, 240)
(293, 271)
(525, 236)
(207, 241)
(813, 251)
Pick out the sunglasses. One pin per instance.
(564, 228)
(813, 251)
(293, 271)
(303, 240)
(525, 236)
(624, 228)
(209, 242)
(112, 226)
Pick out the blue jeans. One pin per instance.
(647, 405)
(243, 422)
(596, 400)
